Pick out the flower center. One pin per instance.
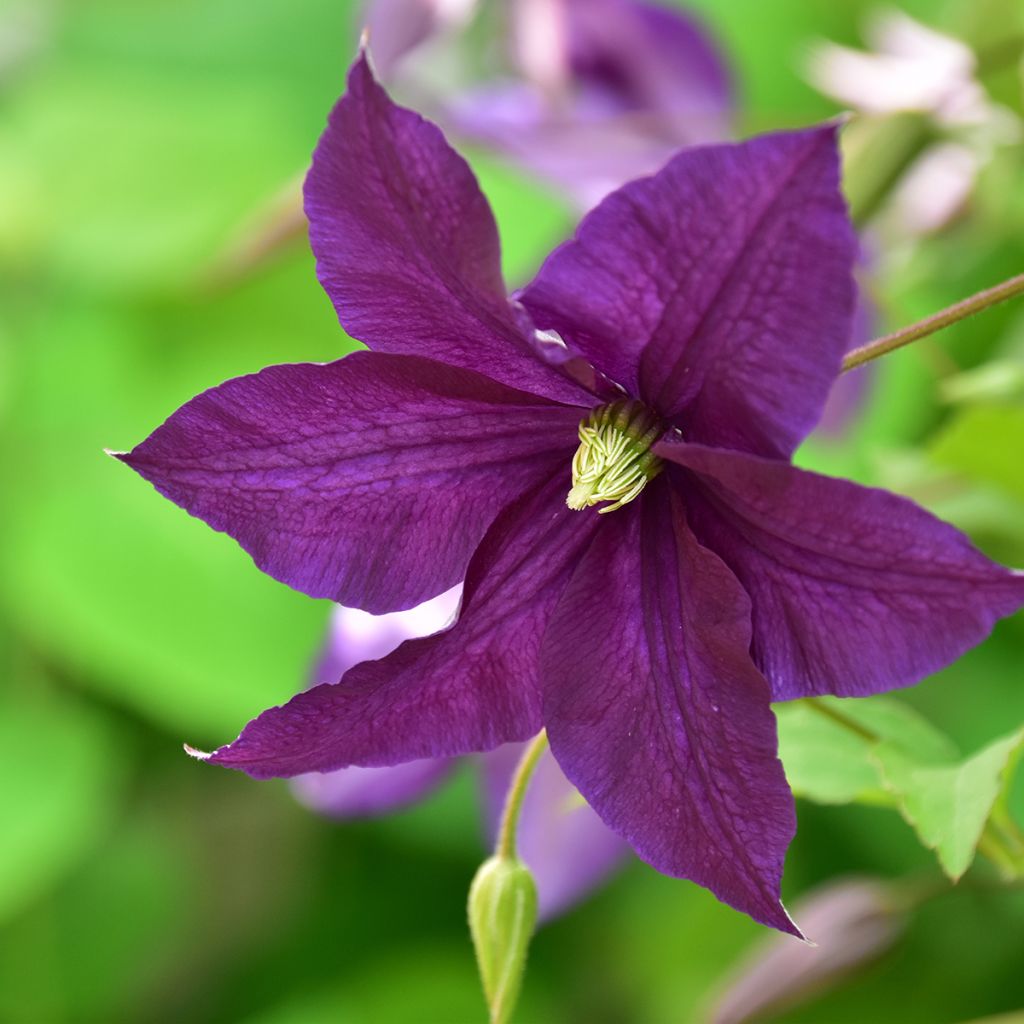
(614, 460)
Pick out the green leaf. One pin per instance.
(140, 600)
(968, 446)
(830, 762)
(949, 805)
(60, 775)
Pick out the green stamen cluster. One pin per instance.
(614, 460)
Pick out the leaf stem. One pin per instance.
(935, 322)
(817, 704)
(506, 845)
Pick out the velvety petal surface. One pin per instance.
(467, 689)
(854, 590)
(406, 244)
(354, 636)
(369, 480)
(657, 714)
(565, 844)
(719, 291)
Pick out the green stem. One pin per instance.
(935, 322)
(506, 845)
(1001, 842)
(816, 704)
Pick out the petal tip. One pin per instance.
(199, 755)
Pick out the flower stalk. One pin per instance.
(506, 844)
(936, 322)
(503, 901)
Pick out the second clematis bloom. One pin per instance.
(658, 373)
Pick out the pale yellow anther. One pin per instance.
(614, 460)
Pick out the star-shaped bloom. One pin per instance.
(606, 462)
(562, 841)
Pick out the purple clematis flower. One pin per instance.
(565, 844)
(596, 91)
(650, 640)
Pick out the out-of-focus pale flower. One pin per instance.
(598, 92)
(395, 28)
(910, 67)
(852, 923)
(914, 69)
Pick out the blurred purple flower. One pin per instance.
(566, 846)
(717, 295)
(854, 921)
(598, 91)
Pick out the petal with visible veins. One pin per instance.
(657, 714)
(354, 636)
(467, 689)
(406, 244)
(719, 290)
(369, 480)
(854, 590)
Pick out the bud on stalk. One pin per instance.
(502, 915)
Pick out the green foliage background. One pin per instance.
(136, 141)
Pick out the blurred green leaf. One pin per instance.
(948, 805)
(61, 772)
(147, 604)
(984, 444)
(830, 762)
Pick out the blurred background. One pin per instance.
(150, 153)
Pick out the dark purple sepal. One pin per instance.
(854, 590)
(657, 714)
(719, 290)
(467, 689)
(406, 244)
(369, 480)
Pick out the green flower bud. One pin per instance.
(502, 914)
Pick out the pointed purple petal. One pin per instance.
(566, 846)
(854, 590)
(369, 480)
(657, 714)
(406, 245)
(719, 290)
(363, 792)
(468, 689)
(354, 636)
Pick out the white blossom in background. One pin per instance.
(911, 68)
